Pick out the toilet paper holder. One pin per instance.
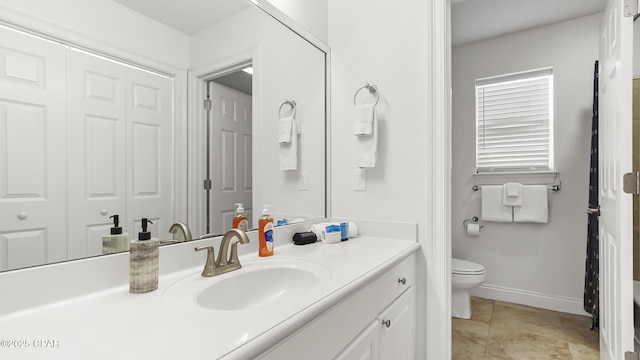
(472, 220)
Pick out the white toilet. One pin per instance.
(465, 275)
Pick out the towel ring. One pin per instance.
(372, 90)
(292, 104)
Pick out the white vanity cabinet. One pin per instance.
(376, 322)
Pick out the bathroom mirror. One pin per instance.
(288, 196)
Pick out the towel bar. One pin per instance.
(372, 90)
(554, 187)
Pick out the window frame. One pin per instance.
(546, 73)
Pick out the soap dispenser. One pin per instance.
(143, 262)
(265, 233)
(240, 220)
(116, 241)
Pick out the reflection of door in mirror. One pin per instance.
(83, 134)
(230, 119)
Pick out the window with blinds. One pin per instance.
(514, 122)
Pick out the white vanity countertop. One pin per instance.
(114, 324)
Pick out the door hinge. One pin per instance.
(207, 184)
(207, 104)
(631, 183)
(631, 356)
(630, 7)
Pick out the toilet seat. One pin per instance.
(464, 267)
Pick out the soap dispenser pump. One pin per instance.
(265, 233)
(240, 220)
(116, 241)
(143, 261)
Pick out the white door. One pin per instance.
(150, 149)
(397, 328)
(96, 151)
(615, 136)
(230, 158)
(32, 151)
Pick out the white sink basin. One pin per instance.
(256, 284)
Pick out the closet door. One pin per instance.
(32, 151)
(97, 150)
(149, 151)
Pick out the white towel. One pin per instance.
(365, 146)
(511, 195)
(535, 207)
(285, 128)
(363, 125)
(289, 151)
(492, 208)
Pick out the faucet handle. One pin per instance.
(210, 265)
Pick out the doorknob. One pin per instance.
(592, 211)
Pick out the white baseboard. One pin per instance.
(530, 298)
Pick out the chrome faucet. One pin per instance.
(223, 264)
(182, 230)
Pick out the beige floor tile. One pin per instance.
(527, 346)
(505, 331)
(468, 339)
(583, 342)
(518, 321)
(481, 310)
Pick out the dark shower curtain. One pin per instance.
(591, 277)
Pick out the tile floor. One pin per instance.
(500, 330)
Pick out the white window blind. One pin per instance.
(514, 122)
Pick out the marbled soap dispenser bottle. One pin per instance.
(143, 262)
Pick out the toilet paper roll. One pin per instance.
(473, 229)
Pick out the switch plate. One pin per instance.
(360, 179)
(303, 178)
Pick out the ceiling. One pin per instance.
(473, 20)
(186, 16)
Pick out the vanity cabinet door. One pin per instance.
(364, 347)
(397, 328)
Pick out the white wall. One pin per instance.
(388, 45)
(285, 67)
(310, 14)
(105, 26)
(543, 264)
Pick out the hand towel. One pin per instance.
(535, 207)
(363, 125)
(492, 208)
(285, 127)
(365, 147)
(511, 195)
(289, 151)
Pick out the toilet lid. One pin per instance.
(465, 267)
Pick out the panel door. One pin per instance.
(615, 158)
(364, 347)
(32, 151)
(150, 150)
(230, 158)
(397, 328)
(97, 151)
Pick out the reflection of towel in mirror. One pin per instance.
(288, 140)
(363, 125)
(285, 129)
(365, 146)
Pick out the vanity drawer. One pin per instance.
(395, 281)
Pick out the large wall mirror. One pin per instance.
(87, 137)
